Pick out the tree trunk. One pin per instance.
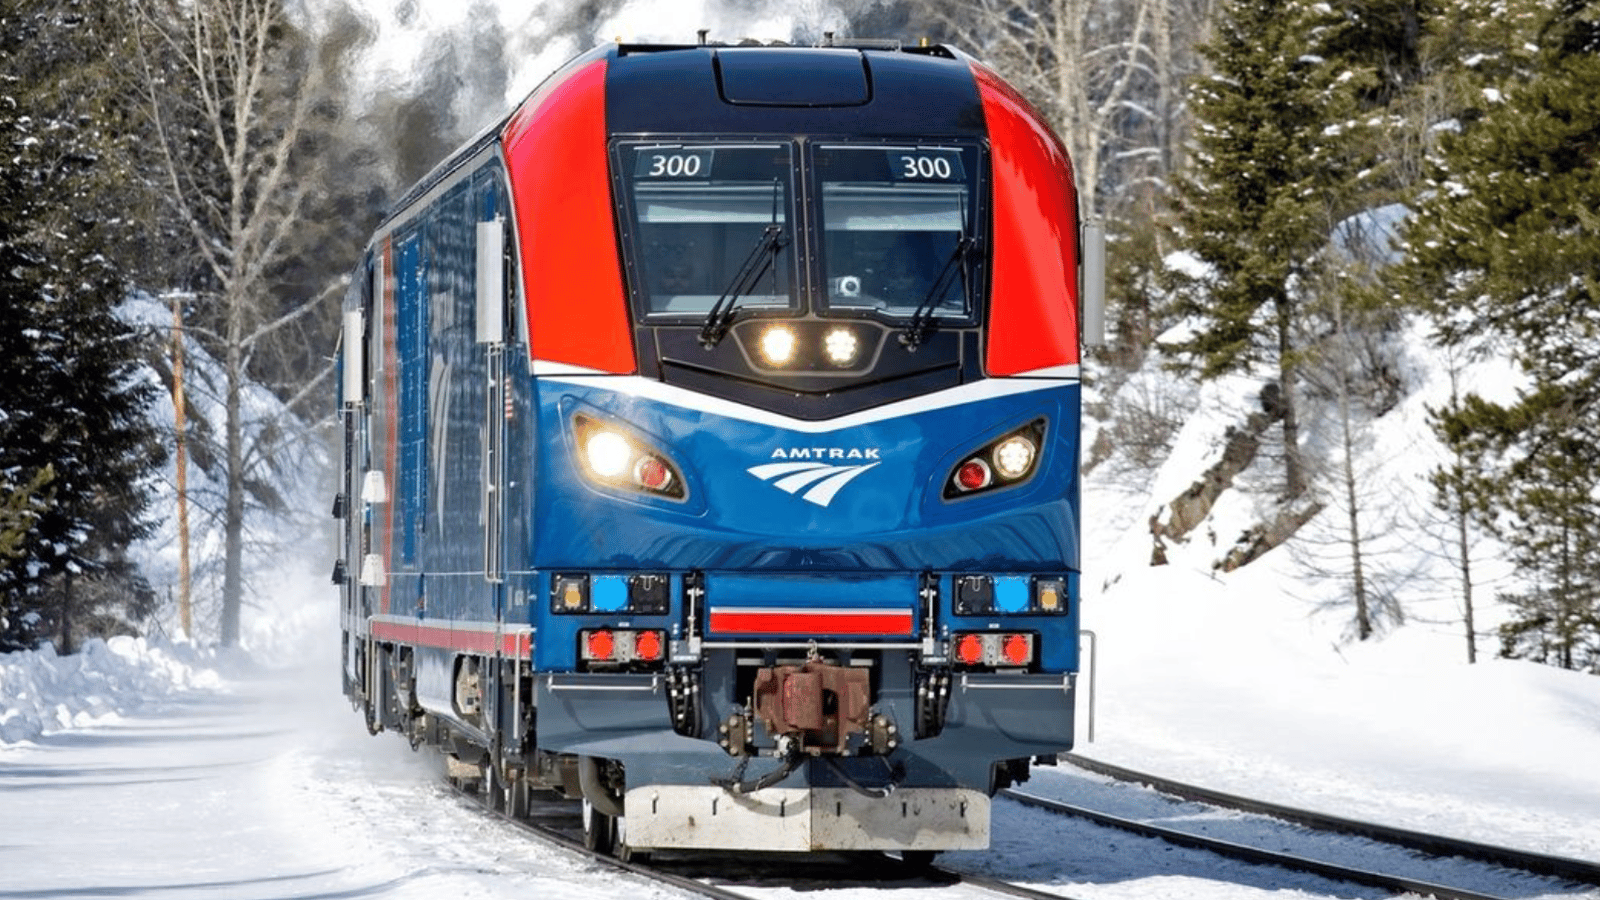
(233, 509)
(66, 616)
(1465, 563)
(1358, 576)
(181, 468)
(1293, 469)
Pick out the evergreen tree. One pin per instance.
(1506, 253)
(75, 440)
(1261, 198)
(1346, 358)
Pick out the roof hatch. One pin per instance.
(762, 76)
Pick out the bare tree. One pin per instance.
(231, 98)
(1339, 372)
(1460, 501)
(1078, 61)
(1349, 364)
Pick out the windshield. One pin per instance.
(698, 211)
(894, 219)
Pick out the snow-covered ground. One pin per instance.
(163, 772)
(150, 770)
(1248, 682)
(154, 770)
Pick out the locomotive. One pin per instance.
(710, 449)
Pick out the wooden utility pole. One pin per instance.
(184, 607)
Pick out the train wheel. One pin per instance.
(599, 830)
(621, 849)
(518, 797)
(497, 794)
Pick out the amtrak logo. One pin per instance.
(815, 474)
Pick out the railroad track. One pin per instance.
(1566, 868)
(1569, 872)
(557, 822)
(743, 876)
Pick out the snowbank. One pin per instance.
(42, 692)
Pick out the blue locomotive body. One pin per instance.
(714, 461)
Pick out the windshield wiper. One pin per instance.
(921, 324)
(755, 266)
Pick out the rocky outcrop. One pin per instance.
(1240, 444)
(1258, 540)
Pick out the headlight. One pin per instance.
(1014, 457)
(841, 345)
(777, 345)
(615, 457)
(608, 453)
(1007, 460)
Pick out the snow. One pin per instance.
(1245, 682)
(154, 769)
(103, 682)
(124, 764)
(409, 37)
(165, 772)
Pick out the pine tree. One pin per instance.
(1507, 253)
(1261, 199)
(73, 407)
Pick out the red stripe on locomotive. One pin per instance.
(556, 154)
(813, 622)
(516, 644)
(1033, 313)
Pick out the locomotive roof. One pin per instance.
(791, 90)
(872, 89)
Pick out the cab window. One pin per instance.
(701, 214)
(897, 228)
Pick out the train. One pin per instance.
(710, 449)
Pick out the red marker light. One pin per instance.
(1017, 649)
(969, 649)
(647, 646)
(973, 474)
(601, 645)
(652, 473)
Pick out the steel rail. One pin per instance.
(554, 836)
(1009, 888)
(1256, 855)
(1563, 867)
(559, 837)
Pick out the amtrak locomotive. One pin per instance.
(710, 436)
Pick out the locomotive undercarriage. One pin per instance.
(794, 748)
(805, 748)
